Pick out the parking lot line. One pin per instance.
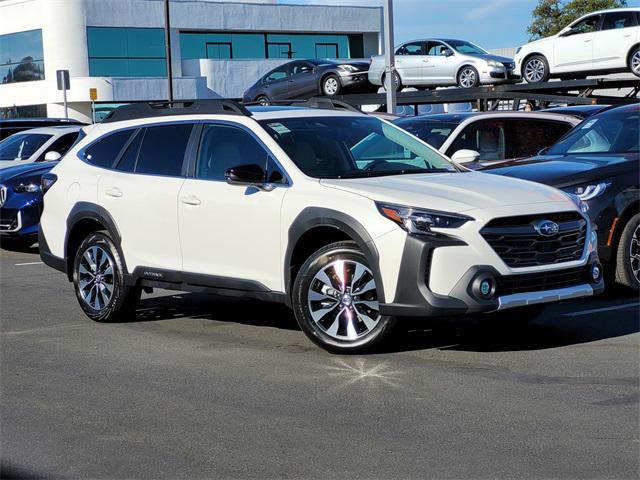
(604, 309)
(28, 263)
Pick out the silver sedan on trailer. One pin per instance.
(440, 62)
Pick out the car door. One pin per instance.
(573, 49)
(141, 195)
(276, 83)
(439, 69)
(612, 43)
(410, 62)
(303, 82)
(228, 231)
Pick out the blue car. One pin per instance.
(21, 202)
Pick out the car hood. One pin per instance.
(489, 56)
(564, 170)
(16, 172)
(451, 192)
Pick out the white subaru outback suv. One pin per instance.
(274, 203)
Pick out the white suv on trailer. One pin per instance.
(275, 204)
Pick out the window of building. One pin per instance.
(163, 149)
(126, 52)
(105, 151)
(326, 50)
(220, 50)
(279, 50)
(21, 57)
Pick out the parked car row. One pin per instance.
(602, 42)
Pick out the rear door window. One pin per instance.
(105, 151)
(163, 149)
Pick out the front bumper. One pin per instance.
(20, 222)
(495, 75)
(414, 298)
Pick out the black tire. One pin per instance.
(468, 77)
(536, 69)
(627, 266)
(396, 80)
(514, 317)
(332, 327)
(331, 86)
(121, 302)
(634, 61)
(263, 100)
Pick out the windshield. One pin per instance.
(433, 132)
(353, 147)
(466, 47)
(21, 147)
(610, 133)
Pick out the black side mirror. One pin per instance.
(249, 175)
(447, 52)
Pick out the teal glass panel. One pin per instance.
(192, 45)
(219, 50)
(145, 42)
(147, 67)
(108, 67)
(107, 42)
(248, 45)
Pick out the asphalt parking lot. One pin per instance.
(200, 387)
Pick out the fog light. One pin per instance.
(596, 272)
(485, 288)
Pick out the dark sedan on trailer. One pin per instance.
(309, 78)
(599, 161)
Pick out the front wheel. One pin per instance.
(628, 255)
(536, 69)
(468, 77)
(397, 82)
(263, 100)
(335, 300)
(98, 277)
(331, 85)
(634, 62)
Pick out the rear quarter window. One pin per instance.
(105, 151)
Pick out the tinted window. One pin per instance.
(526, 138)
(21, 147)
(223, 147)
(589, 24)
(433, 132)
(618, 20)
(163, 148)
(104, 152)
(355, 147)
(610, 133)
(127, 162)
(485, 137)
(63, 144)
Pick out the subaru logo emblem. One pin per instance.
(546, 228)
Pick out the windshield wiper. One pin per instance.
(382, 173)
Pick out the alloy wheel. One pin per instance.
(96, 277)
(634, 254)
(342, 300)
(635, 63)
(331, 86)
(467, 78)
(534, 70)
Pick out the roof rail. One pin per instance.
(325, 103)
(177, 107)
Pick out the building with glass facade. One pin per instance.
(218, 48)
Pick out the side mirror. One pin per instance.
(465, 156)
(247, 175)
(52, 156)
(543, 151)
(447, 52)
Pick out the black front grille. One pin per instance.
(518, 244)
(535, 282)
(8, 219)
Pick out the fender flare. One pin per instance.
(313, 217)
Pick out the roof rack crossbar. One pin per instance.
(313, 102)
(220, 106)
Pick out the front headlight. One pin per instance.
(587, 191)
(348, 68)
(582, 205)
(28, 188)
(494, 63)
(420, 221)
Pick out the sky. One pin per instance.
(488, 23)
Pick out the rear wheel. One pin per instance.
(536, 69)
(331, 85)
(628, 255)
(335, 300)
(468, 77)
(397, 81)
(634, 62)
(98, 277)
(263, 100)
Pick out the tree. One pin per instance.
(551, 16)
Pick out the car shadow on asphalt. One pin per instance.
(562, 324)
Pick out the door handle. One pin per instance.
(426, 60)
(114, 192)
(190, 200)
(587, 41)
(627, 35)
